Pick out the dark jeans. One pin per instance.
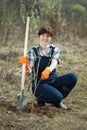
(56, 88)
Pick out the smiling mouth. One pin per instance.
(45, 40)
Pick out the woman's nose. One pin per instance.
(45, 37)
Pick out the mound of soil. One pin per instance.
(49, 110)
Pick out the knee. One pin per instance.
(74, 78)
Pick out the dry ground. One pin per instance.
(74, 59)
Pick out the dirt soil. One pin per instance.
(49, 110)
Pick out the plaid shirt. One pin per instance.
(31, 54)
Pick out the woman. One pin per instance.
(41, 61)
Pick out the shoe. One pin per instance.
(41, 103)
(61, 105)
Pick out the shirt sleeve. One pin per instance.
(30, 54)
(56, 54)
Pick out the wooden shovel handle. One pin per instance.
(25, 51)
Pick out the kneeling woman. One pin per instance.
(41, 61)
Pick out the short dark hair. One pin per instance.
(45, 29)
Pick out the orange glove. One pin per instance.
(24, 60)
(45, 74)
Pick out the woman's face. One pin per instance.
(45, 40)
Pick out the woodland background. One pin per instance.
(67, 17)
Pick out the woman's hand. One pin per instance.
(45, 74)
(24, 60)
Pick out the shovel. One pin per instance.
(21, 97)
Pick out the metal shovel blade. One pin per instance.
(21, 100)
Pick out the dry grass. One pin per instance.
(74, 59)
